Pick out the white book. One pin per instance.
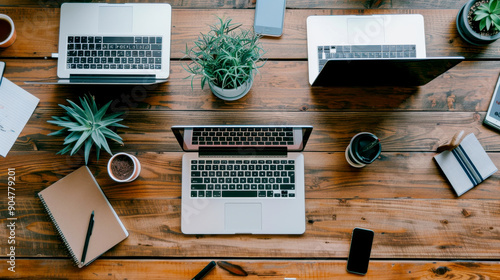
(16, 108)
(467, 165)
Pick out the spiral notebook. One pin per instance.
(70, 202)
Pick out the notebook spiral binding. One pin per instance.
(70, 251)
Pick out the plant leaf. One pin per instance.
(96, 139)
(104, 142)
(97, 152)
(112, 116)
(80, 141)
(495, 19)
(109, 122)
(88, 111)
(482, 24)
(59, 132)
(65, 150)
(88, 146)
(72, 137)
(76, 108)
(92, 103)
(102, 111)
(111, 135)
(480, 16)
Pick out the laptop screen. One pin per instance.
(379, 72)
(288, 137)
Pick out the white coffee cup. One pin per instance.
(7, 31)
(135, 172)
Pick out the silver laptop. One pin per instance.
(363, 37)
(242, 179)
(101, 43)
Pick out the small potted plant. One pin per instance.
(478, 22)
(227, 58)
(87, 126)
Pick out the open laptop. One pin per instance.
(243, 179)
(371, 50)
(102, 43)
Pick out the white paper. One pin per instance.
(16, 108)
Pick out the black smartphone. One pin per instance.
(269, 17)
(493, 114)
(359, 253)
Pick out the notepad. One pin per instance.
(16, 108)
(70, 202)
(467, 165)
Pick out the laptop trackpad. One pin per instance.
(243, 217)
(115, 19)
(366, 31)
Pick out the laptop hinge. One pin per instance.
(242, 151)
(112, 78)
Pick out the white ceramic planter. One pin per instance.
(232, 94)
(135, 172)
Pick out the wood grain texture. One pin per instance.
(399, 131)
(327, 175)
(442, 38)
(466, 87)
(317, 269)
(421, 226)
(404, 228)
(291, 4)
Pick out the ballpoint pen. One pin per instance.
(87, 238)
(204, 271)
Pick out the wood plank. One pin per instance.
(245, 4)
(327, 175)
(466, 87)
(441, 35)
(404, 229)
(398, 131)
(269, 269)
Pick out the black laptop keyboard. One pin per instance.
(227, 178)
(253, 136)
(364, 51)
(97, 52)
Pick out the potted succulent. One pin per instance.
(87, 126)
(227, 58)
(478, 22)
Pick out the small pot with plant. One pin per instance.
(227, 58)
(87, 126)
(478, 22)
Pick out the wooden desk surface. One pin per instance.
(422, 230)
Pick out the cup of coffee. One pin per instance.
(363, 149)
(7, 31)
(123, 167)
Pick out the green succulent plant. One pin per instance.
(488, 15)
(87, 127)
(226, 56)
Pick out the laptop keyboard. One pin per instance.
(101, 52)
(364, 51)
(254, 136)
(229, 178)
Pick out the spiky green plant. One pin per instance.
(87, 127)
(226, 56)
(488, 15)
